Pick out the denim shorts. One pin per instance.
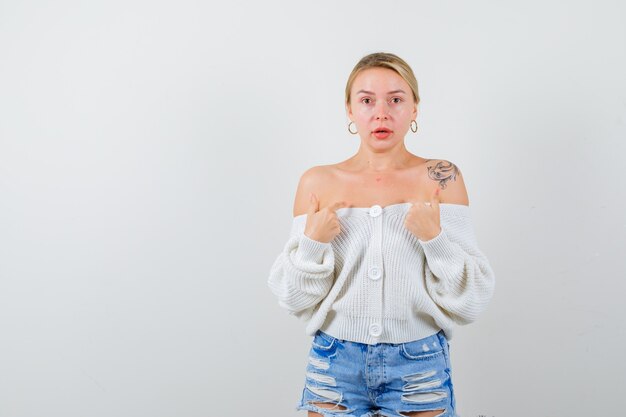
(383, 379)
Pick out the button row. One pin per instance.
(375, 273)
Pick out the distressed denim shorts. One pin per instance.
(383, 379)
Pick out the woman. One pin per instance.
(382, 261)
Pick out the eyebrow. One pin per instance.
(370, 92)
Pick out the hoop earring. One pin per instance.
(354, 133)
(413, 130)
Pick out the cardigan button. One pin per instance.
(375, 273)
(375, 210)
(375, 329)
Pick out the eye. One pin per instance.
(366, 98)
(397, 98)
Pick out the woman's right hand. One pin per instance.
(322, 225)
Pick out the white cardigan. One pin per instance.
(377, 282)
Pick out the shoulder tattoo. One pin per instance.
(442, 171)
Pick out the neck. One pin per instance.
(370, 160)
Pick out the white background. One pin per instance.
(149, 156)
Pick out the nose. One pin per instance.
(382, 111)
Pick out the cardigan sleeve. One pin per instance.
(458, 275)
(303, 272)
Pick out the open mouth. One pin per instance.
(382, 133)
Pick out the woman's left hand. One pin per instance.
(423, 218)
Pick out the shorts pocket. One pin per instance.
(323, 341)
(420, 350)
(324, 345)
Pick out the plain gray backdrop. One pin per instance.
(149, 156)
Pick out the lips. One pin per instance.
(381, 133)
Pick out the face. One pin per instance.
(381, 98)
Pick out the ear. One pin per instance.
(414, 111)
(348, 111)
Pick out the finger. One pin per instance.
(419, 203)
(434, 199)
(337, 205)
(314, 205)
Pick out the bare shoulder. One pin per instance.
(311, 180)
(448, 177)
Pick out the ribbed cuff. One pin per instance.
(427, 241)
(440, 247)
(310, 250)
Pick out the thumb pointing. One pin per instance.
(434, 199)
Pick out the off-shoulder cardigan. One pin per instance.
(377, 282)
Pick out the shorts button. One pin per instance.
(375, 210)
(375, 273)
(375, 329)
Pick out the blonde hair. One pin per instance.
(384, 60)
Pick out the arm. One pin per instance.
(458, 275)
(303, 272)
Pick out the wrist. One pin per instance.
(431, 236)
(314, 238)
